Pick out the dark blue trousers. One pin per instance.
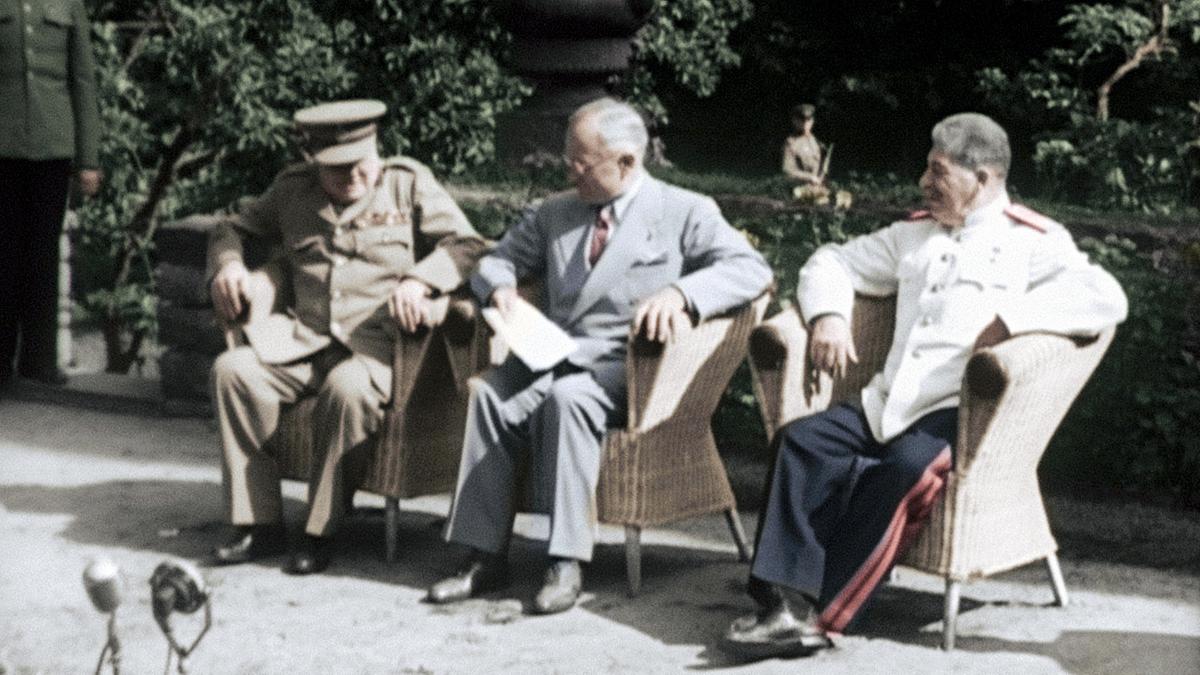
(841, 506)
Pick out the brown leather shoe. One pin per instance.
(250, 542)
(773, 633)
(310, 557)
(482, 573)
(564, 580)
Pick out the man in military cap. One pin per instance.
(802, 151)
(365, 242)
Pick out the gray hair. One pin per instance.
(973, 140)
(620, 125)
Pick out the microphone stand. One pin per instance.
(112, 648)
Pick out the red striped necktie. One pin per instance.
(600, 232)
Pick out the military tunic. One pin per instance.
(802, 158)
(335, 337)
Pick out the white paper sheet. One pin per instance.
(536, 340)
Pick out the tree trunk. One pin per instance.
(1153, 46)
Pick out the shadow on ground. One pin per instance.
(183, 518)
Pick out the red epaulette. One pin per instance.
(1029, 218)
(919, 215)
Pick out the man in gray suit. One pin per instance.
(622, 249)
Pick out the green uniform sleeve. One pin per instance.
(82, 74)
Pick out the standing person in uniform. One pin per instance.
(366, 242)
(49, 129)
(968, 273)
(621, 250)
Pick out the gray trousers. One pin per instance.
(248, 396)
(546, 426)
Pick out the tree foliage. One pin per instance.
(687, 41)
(193, 106)
(1144, 57)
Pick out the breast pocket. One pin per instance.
(650, 271)
(991, 269)
(52, 35)
(388, 245)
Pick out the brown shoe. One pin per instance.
(564, 581)
(482, 573)
(773, 633)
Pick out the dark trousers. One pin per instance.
(842, 506)
(33, 196)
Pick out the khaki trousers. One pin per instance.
(248, 396)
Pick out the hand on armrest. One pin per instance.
(663, 316)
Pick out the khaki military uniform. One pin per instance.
(802, 158)
(336, 338)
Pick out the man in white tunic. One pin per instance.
(967, 273)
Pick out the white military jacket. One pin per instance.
(1005, 261)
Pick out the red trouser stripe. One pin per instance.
(906, 524)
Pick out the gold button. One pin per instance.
(339, 261)
(337, 295)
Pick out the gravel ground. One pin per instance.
(75, 484)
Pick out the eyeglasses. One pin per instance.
(581, 167)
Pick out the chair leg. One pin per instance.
(633, 558)
(950, 613)
(739, 534)
(391, 528)
(1056, 578)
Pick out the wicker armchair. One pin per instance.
(419, 444)
(991, 518)
(663, 465)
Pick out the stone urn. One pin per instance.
(570, 50)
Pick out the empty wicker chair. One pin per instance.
(1014, 396)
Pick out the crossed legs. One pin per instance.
(840, 509)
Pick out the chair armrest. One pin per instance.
(688, 376)
(454, 320)
(1014, 396)
(263, 297)
(783, 383)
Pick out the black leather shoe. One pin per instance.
(248, 543)
(51, 376)
(483, 573)
(310, 557)
(774, 633)
(564, 580)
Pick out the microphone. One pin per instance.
(104, 584)
(178, 587)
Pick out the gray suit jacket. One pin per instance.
(668, 236)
